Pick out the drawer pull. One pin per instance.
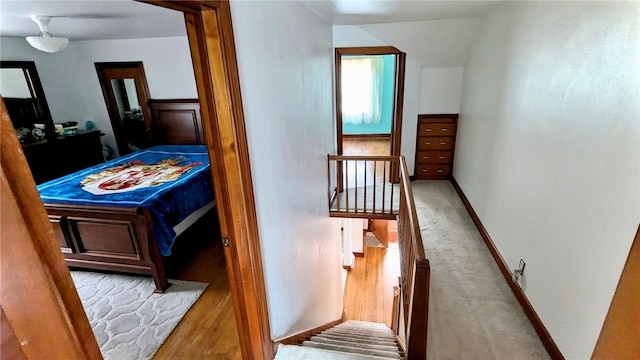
(429, 129)
(426, 157)
(425, 170)
(440, 170)
(443, 143)
(427, 143)
(440, 157)
(444, 129)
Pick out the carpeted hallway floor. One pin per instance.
(473, 313)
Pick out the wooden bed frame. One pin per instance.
(121, 238)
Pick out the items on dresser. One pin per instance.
(435, 146)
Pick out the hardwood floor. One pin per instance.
(366, 147)
(208, 330)
(369, 290)
(372, 147)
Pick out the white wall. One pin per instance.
(434, 43)
(71, 83)
(285, 69)
(347, 36)
(440, 90)
(548, 153)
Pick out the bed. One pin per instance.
(124, 215)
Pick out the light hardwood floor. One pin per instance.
(366, 147)
(368, 294)
(208, 330)
(372, 147)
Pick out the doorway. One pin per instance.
(33, 252)
(369, 98)
(126, 93)
(369, 95)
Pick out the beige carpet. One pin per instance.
(473, 314)
(293, 352)
(130, 321)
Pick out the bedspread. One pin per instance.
(170, 181)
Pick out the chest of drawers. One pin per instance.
(435, 145)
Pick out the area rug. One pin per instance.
(130, 321)
(371, 240)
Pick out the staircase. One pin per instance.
(350, 340)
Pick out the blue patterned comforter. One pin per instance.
(169, 200)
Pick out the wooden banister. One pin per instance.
(415, 272)
(414, 265)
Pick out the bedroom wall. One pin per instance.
(548, 153)
(286, 72)
(349, 35)
(71, 83)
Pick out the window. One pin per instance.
(361, 89)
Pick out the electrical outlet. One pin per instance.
(519, 272)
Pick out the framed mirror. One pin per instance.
(126, 94)
(24, 98)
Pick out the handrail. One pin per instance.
(363, 186)
(363, 157)
(415, 269)
(415, 272)
(408, 194)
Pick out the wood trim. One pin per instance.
(395, 310)
(210, 35)
(368, 50)
(358, 254)
(299, 337)
(350, 215)
(36, 89)
(620, 331)
(366, 136)
(9, 344)
(338, 88)
(332, 197)
(142, 92)
(38, 295)
(34, 251)
(538, 325)
(398, 106)
(398, 103)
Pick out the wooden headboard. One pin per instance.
(177, 121)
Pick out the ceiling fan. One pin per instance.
(45, 41)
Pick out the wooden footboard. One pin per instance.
(108, 238)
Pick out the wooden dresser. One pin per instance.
(435, 145)
(50, 159)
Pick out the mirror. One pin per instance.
(126, 94)
(24, 98)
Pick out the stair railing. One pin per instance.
(415, 272)
(363, 187)
(371, 177)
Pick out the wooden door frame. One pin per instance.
(36, 267)
(142, 92)
(398, 96)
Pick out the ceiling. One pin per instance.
(91, 20)
(360, 12)
(126, 19)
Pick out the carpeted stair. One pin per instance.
(350, 340)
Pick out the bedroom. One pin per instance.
(73, 93)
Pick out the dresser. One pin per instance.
(435, 145)
(50, 159)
